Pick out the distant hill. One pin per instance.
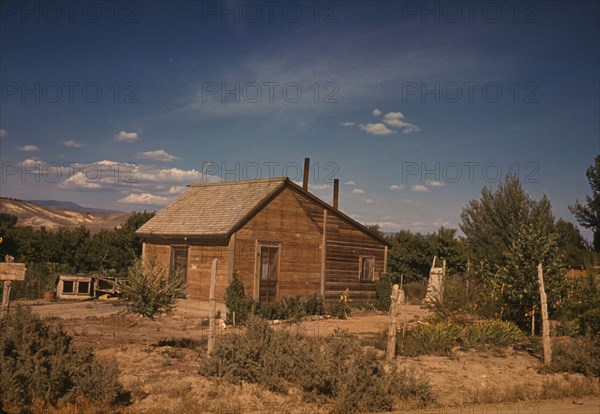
(55, 216)
(70, 206)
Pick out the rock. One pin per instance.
(578, 402)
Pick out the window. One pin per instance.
(268, 272)
(84, 288)
(367, 268)
(68, 287)
(179, 262)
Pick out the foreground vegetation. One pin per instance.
(334, 370)
(40, 369)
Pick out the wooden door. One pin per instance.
(268, 272)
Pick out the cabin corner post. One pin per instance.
(324, 253)
(256, 292)
(231, 258)
(385, 256)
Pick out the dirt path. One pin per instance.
(568, 406)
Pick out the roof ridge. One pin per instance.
(256, 180)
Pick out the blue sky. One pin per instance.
(414, 106)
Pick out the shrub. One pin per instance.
(290, 308)
(430, 338)
(334, 369)
(341, 309)
(235, 300)
(589, 323)
(440, 337)
(415, 291)
(148, 291)
(492, 332)
(383, 288)
(580, 355)
(39, 363)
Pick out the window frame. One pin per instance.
(172, 270)
(361, 262)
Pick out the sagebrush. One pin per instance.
(334, 370)
(40, 366)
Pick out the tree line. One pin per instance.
(49, 253)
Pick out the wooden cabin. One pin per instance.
(279, 238)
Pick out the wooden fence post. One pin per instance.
(545, 325)
(391, 336)
(5, 298)
(397, 299)
(212, 310)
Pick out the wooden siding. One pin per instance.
(200, 259)
(294, 222)
(345, 245)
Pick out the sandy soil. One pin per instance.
(165, 378)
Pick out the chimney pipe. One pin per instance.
(306, 171)
(336, 192)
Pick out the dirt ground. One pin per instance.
(164, 378)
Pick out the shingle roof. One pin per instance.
(211, 209)
(218, 209)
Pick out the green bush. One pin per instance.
(383, 289)
(580, 355)
(589, 323)
(288, 308)
(415, 291)
(235, 300)
(334, 370)
(492, 332)
(439, 338)
(430, 338)
(38, 363)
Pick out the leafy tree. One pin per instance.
(376, 228)
(492, 222)
(520, 286)
(571, 243)
(411, 254)
(148, 291)
(7, 221)
(509, 234)
(588, 214)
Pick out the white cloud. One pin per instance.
(3, 132)
(376, 129)
(158, 155)
(145, 199)
(368, 201)
(29, 148)
(358, 191)
(419, 188)
(73, 144)
(124, 136)
(81, 181)
(347, 124)
(376, 112)
(394, 119)
(396, 187)
(172, 175)
(176, 189)
(435, 183)
(350, 183)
